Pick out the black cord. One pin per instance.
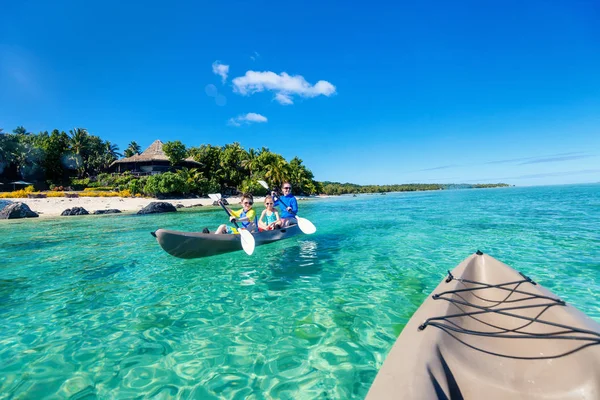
(447, 325)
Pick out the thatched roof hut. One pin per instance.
(152, 160)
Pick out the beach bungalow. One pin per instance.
(152, 161)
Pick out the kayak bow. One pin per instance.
(490, 332)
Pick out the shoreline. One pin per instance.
(53, 206)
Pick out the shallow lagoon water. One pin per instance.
(92, 307)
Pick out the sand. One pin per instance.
(54, 206)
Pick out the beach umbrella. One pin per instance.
(20, 183)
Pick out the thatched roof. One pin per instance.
(154, 152)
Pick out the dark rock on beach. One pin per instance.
(109, 211)
(224, 201)
(179, 205)
(194, 205)
(157, 207)
(17, 210)
(75, 211)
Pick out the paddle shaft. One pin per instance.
(282, 202)
(228, 213)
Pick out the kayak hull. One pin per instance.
(509, 357)
(198, 245)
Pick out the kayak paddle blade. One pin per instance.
(215, 196)
(248, 242)
(306, 226)
(264, 184)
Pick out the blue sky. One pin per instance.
(380, 92)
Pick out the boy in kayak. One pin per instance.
(287, 204)
(246, 217)
(269, 219)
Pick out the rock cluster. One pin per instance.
(17, 210)
(157, 207)
(109, 211)
(75, 211)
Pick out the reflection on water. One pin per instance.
(308, 250)
(92, 307)
(299, 262)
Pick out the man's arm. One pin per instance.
(294, 205)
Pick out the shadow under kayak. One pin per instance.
(489, 332)
(198, 244)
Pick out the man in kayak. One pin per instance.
(287, 204)
(246, 217)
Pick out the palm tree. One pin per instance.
(78, 143)
(132, 149)
(78, 140)
(20, 130)
(277, 172)
(250, 161)
(110, 154)
(192, 178)
(112, 150)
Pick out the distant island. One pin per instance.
(61, 162)
(336, 188)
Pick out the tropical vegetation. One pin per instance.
(336, 188)
(80, 160)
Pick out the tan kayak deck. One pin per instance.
(488, 332)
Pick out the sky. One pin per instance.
(378, 92)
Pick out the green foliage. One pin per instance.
(250, 185)
(231, 165)
(132, 149)
(80, 183)
(336, 188)
(167, 183)
(176, 151)
(136, 186)
(84, 159)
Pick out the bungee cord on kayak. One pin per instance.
(446, 324)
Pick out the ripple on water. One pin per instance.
(92, 308)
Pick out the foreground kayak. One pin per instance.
(197, 244)
(488, 332)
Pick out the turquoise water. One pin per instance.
(92, 307)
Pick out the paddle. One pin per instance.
(246, 237)
(305, 225)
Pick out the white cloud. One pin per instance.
(255, 56)
(247, 119)
(284, 99)
(284, 86)
(220, 69)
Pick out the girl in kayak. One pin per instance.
(246, 217)
(269, 219)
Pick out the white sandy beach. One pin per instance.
(54, 206)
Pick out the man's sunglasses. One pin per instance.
(248, 202)
(268, 204)
(287, 187)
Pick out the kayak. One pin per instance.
(198, 244)
(489, 332)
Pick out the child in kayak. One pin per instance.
(269, 219)
(246, 217)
